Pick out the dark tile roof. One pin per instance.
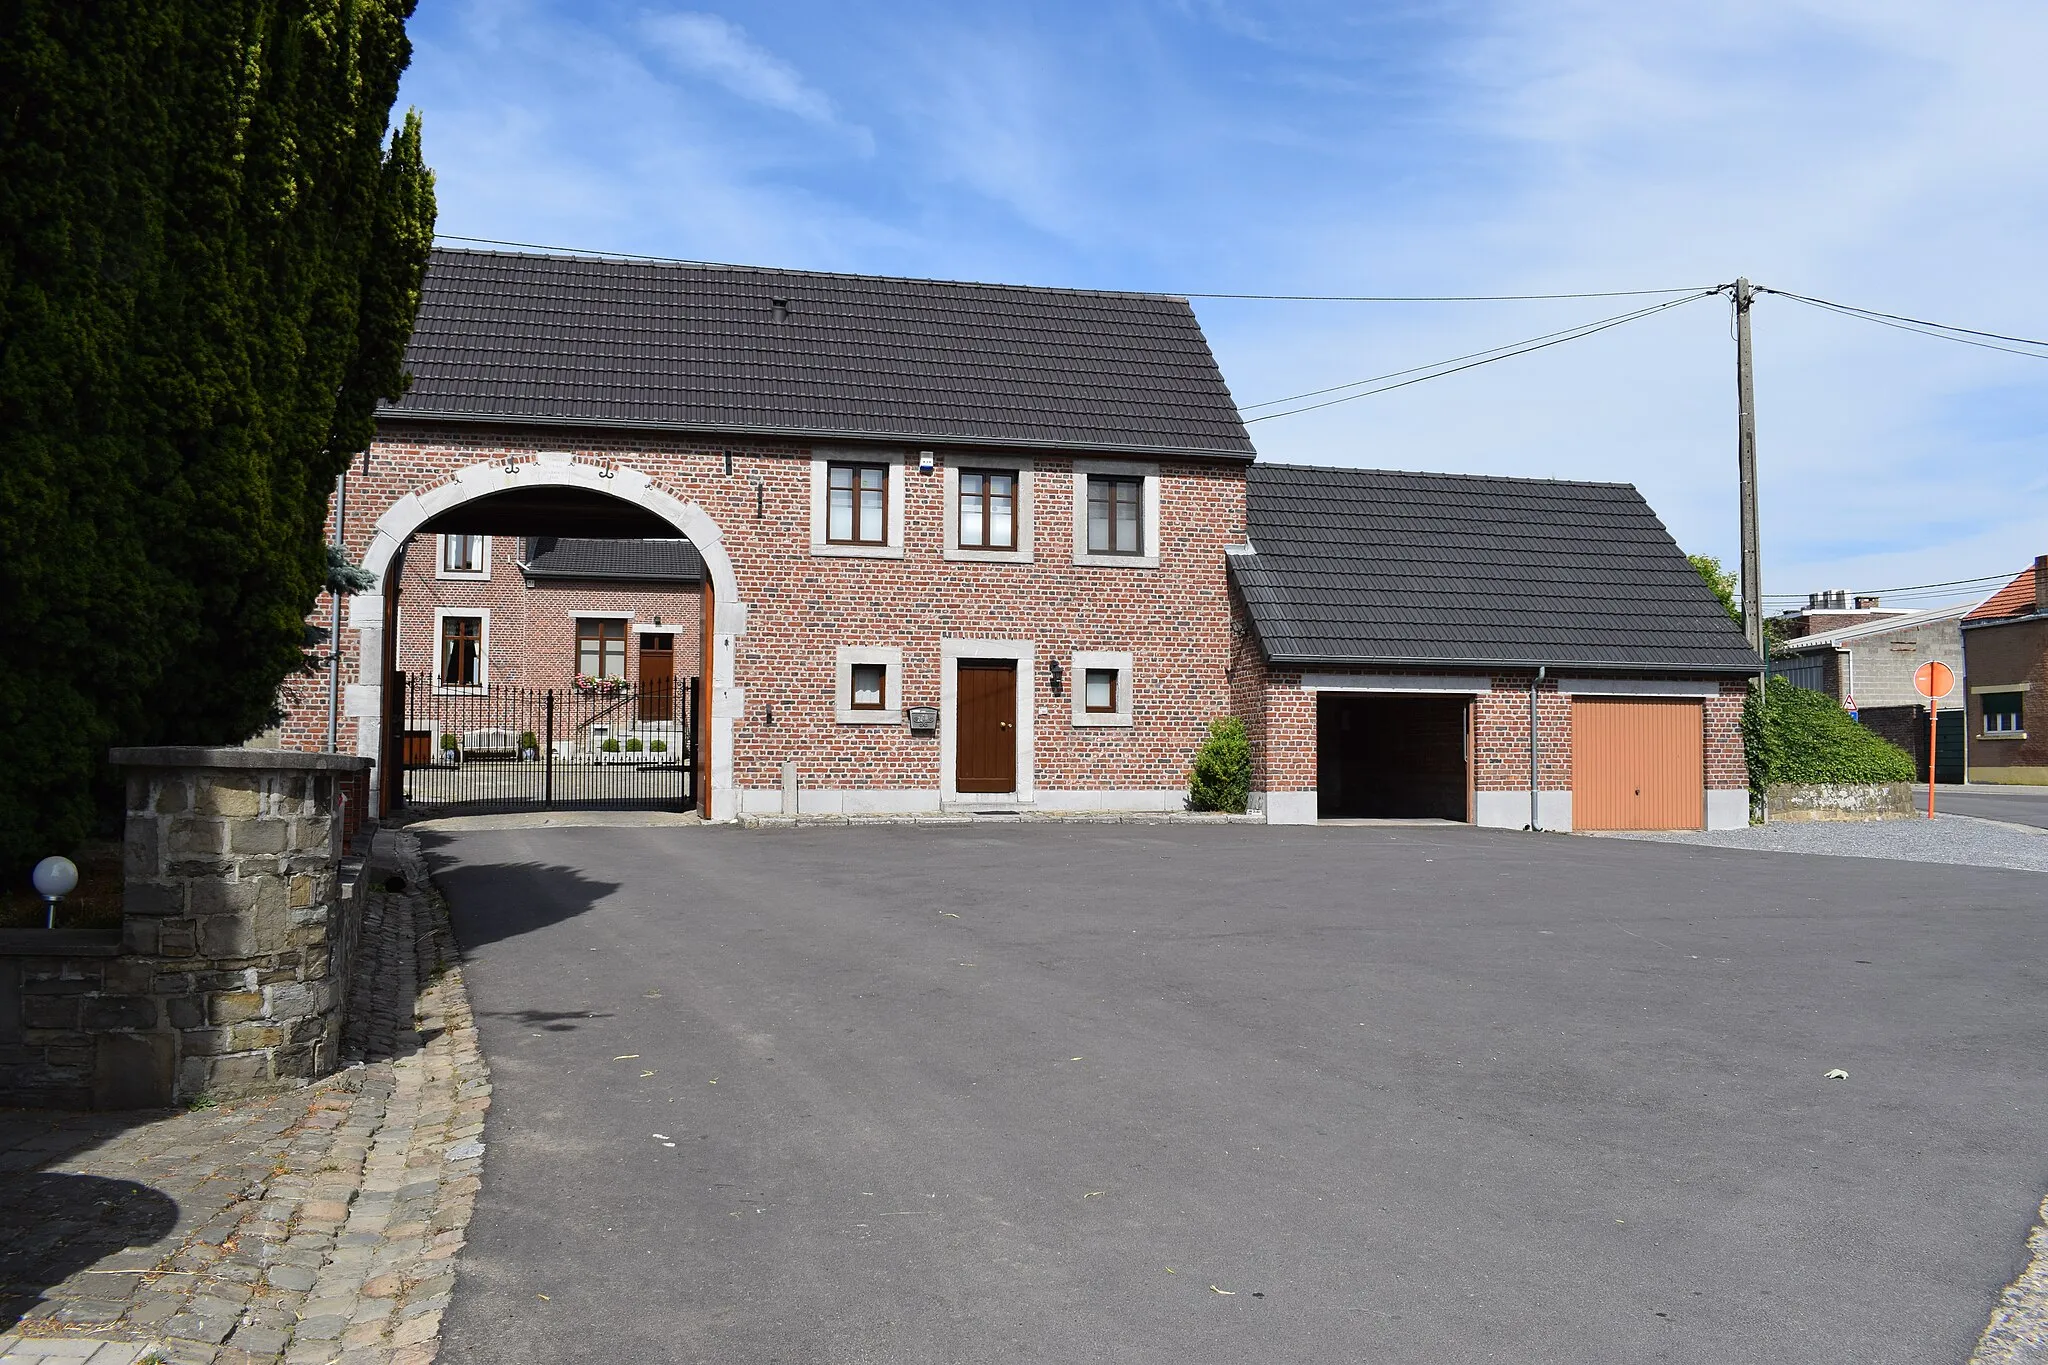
(645, 561)
(1420, 570)
(590, 342)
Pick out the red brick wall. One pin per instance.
(1173, 618)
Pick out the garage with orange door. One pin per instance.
(1638, 763)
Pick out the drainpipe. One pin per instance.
(1535, 748)
(334, 639)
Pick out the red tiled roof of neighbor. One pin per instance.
(2014, 599)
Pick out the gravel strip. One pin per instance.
(1944, 839)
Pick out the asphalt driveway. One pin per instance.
(1178, 1094)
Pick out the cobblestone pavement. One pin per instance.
(310, 1227)
(1944, 839)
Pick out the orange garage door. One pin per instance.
(1638, 763)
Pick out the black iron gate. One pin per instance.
(616, 746)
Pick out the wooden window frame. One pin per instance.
(1110, 483)
(482, 570)
(983, 497)
(603, 640)
(1088, 675)
(479, 660)
(857, 469)
(881, 701)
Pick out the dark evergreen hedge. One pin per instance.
(1793, 734)
(210, 259)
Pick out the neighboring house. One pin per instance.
(1869, 669)
(963, 547)
(1425, 644)
(477, 613)
(1834, 609)
(2005, 651)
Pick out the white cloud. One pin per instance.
(720, 49)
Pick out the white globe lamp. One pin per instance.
(54, 879)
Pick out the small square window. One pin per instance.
(2003, 713)
(870, 687)
(462, 554)
(857, 504)
(1115, 515)
(462, 639)
(1098, 690)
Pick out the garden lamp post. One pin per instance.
(54, 879)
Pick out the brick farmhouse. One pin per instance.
(980, 547)
(2005, 648)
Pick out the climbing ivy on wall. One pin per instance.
(211, 248)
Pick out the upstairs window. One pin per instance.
(600, 647)
(988, 509)
(1115, 515)
(857, 504)
(462, 648)
(462, 554)
(2003, 713)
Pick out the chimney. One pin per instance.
(1865, 602)
(2041, 583)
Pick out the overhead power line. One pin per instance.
(1898, 322)
(1470, 361)
(1914, 589)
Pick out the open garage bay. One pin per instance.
(1164, 1093)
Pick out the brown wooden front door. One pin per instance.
(986, 755)
(657, 677)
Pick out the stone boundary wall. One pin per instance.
(229, 976)
(1840, 801)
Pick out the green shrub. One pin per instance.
(659, 746)
(450, 742)
(610, 746)
(528, 740)
(1222, 778)
(1796, 735)
(633, 745)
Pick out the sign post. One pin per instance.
(1933, 680)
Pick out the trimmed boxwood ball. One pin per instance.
(659, 746)
(633, 745)
(610, 746)
(1222, 778)
(1798, 736)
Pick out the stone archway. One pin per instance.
(725, 620)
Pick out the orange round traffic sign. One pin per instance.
(1934, 679)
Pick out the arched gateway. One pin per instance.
(416, 510)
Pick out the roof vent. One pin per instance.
(1865, 602)
(781, 307)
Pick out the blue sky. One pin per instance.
(1882, 154)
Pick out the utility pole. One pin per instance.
(1745, 402)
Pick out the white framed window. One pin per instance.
(857, 503)
(1099, 684)
(867, 685)
(1116, 514)
(989, 508)
(462, 649)
(2004, 713)
(465, 557)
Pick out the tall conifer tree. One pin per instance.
(211, 247)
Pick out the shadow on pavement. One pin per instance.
(54, 1225)
(495, 901)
